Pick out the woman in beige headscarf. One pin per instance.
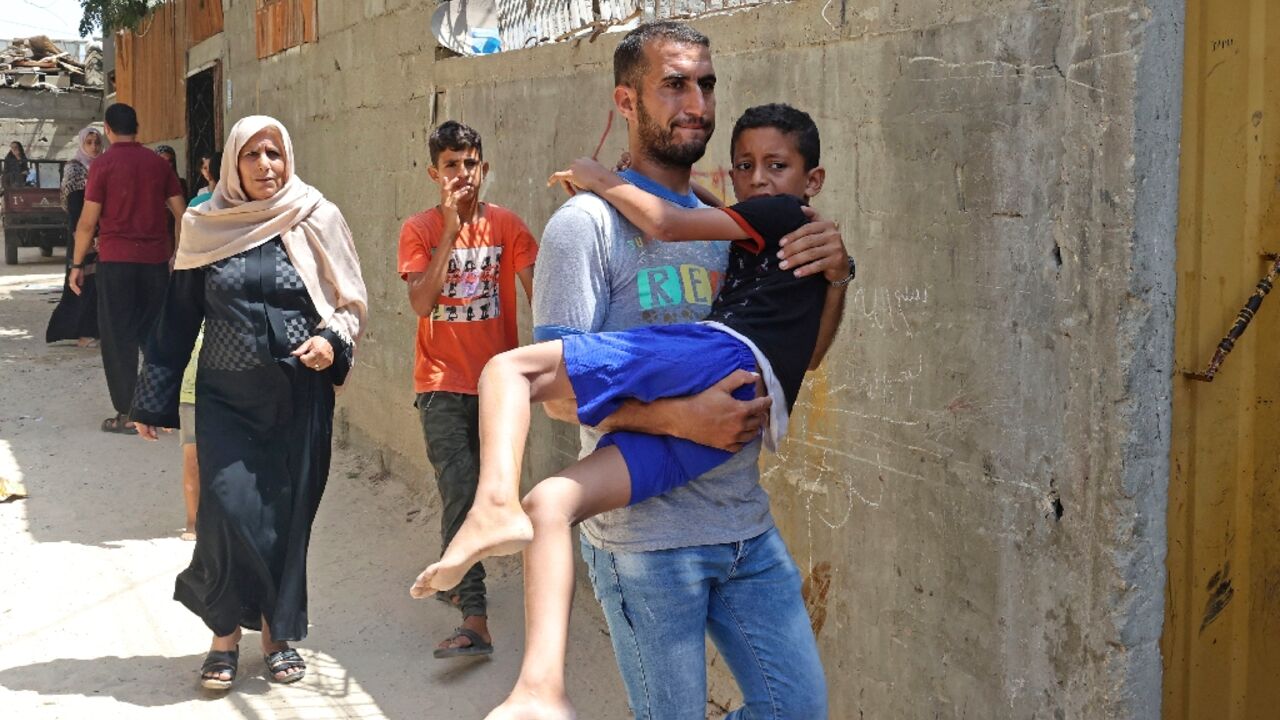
(269, 266)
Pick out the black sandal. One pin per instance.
(283, 661)
(477, 647)
(216, 663)
(119, 424)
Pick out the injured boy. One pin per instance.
(764, 320)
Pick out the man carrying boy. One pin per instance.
(461, 259)
(704, 558)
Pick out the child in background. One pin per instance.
(462, 261)
(187, 436)
(212, 169)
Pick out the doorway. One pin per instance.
(204, 119)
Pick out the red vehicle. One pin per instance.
(33, 214)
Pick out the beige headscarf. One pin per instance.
(314, 233)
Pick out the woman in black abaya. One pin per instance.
(76, 315)
(270, 268)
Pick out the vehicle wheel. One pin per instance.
(46, 251)
(10, 249)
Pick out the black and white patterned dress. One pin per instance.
(263, 433)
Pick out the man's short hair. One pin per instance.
(787, 120)
(453, 135)
(122, 119)
(629, 64)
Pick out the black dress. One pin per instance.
(75, 316)
(264, 426)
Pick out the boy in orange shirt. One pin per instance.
(461, 259)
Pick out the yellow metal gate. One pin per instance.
(1221, 641)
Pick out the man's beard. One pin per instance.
(659, 143)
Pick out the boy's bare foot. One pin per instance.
(528, 705)
(188, 534)
(492, 531)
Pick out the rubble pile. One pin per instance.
(39, 64)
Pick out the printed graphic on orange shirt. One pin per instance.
(470, 292)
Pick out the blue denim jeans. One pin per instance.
(661, 605)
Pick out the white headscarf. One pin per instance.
(314, 233)
(83, 157)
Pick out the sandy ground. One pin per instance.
(88, 628)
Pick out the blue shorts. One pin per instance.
(646, 364)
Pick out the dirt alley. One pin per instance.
(88, 628)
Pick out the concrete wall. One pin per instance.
(46, 123)
(974, 486)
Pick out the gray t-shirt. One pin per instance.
(597, 272)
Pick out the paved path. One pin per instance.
(87, 626)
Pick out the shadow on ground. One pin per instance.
(130, 680)
(88, 561)
(55, 399)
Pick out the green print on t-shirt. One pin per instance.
(669, 285)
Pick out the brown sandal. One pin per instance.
(119, 425)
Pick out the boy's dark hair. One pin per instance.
(215, 166)
(786, 120)
(453, 135)
(122, 119)
(628, 58)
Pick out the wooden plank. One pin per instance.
(262, 30)
(310, 32)
(151, 73)
(282, 24)
(125, 52)
(204, 20)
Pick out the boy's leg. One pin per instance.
(595, 484)
(471, 591)
(656, 604)
(190, 467)
(759, 623)
(496, 525)
(448, 421)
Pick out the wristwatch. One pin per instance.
(853, 272)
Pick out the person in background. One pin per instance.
(15, 166)
(211, 169)
(270, 266)
(76, 316)
(208, 168)
(168, 153)
(461, 260)
(126, 197)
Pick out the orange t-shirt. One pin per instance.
(475, 316)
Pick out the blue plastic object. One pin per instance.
(484, 41)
